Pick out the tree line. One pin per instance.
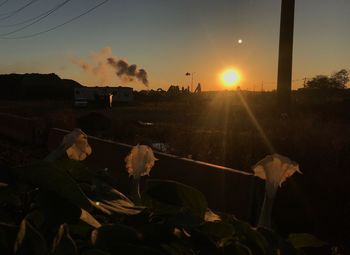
(36, 86)
(337, 80)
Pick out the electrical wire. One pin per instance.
(57, 26)
(4, 2)
(38, 18)
(28, 20)
(10, 14)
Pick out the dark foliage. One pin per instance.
(337, 80)
(48, 218)
(36, 87)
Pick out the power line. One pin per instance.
(38, 18)
(4, 2)
(58, 26)
(10, 14)
(28, 20)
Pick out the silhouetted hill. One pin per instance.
(36, 86)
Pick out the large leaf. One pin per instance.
(95, 252)
(89, 219)
(103, 191)
(162, 193)
(132, 249)
(8, 194)
(49, 177)
(58, 210)
(181, 218)
(304, 240)
(237, 249)
(63, 244)
(277, 243)
(178, 248)
(217, 230)
(248, 236)
(111, 201)
(8, 235)
(119, 206)
(76, 169)
(156, 233)
(81, 230)
(107, 235)
(120, 239)
(29, 240)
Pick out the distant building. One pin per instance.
(119, 94)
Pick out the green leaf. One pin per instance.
(29, 240)
(119, 206)
(63, 244)
(76, 169)
(249, 237)
(8, 195)
(95, 252)
(238, 249)
(182, 218)
(155, 233)
(303, 240)
(8, 235)
(217, 230)
(277, 243)
(107, 235)
(57, 209)
(178, 248)
(49, 177)
(160, 194)
(120, 239)
(219, 233)
(37, 218)
(89, 219)
(81, 230)
(132, 249)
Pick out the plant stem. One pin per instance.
(135, 191)
(56, 153)
(266, 210)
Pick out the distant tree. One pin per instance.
(337, 80)
(341, 78)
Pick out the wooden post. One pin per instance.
(285, 57)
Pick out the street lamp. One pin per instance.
(191, 74)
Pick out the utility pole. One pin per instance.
(191, 74)
(285, 57)
(304, 85)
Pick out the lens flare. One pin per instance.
(230, 77)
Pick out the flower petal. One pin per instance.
(77, 145)
(140, 161)
(275, 169)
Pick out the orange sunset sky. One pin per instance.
(170, 38)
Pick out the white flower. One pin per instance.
(275, 169)
(140, 161)
(76, 144)
(210, 216)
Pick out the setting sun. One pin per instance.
(230, 77)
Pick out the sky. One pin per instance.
(168, 38)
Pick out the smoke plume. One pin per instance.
(129, 72)
(103, 64)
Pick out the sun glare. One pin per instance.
(230, 77)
